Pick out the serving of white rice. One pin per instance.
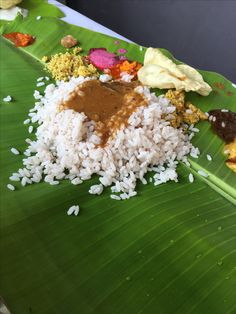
(66, 145)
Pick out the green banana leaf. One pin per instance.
(171, 249)
(38, 8)
(42, 8)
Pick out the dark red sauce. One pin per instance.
(223, 124)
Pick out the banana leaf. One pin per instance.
(41, 8)
(171, 249)
(38, 8)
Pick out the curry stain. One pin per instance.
(219, 85)
(216, 92)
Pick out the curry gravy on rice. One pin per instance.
(110, 104)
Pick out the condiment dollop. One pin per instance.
(20, 39)
(110, 104)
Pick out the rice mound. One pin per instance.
(67, 145)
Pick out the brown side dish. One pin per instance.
(110, 104)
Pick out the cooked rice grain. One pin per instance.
(66, 144)
(73, 210)
(11, 187)
(15, 151)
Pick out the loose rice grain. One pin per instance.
(115, 197)
(7, 98)
(15, 151)
(96, 189)
(191, 178)
(203, 173)
(27, 121)
(40, 84)
(11, 187)
(209, 157)
(73, 210)
(30, 129)
(14, 178)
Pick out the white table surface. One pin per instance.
(76, 18)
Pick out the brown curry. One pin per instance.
(110, 104)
